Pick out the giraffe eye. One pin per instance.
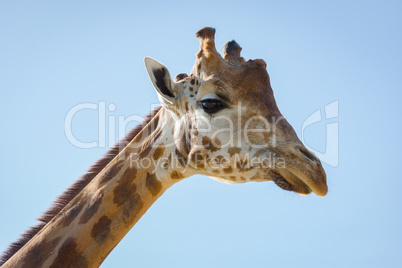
(212, 105)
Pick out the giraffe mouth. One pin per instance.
(290, 182)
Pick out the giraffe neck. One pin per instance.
(88, 228)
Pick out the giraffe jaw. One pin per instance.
(292, 180)
(281, 182)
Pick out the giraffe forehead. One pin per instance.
(214, 88)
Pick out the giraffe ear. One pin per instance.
(162, 81)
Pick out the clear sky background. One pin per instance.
(57, 54)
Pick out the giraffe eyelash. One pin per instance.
(212, 106)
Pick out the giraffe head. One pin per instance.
(226, 123)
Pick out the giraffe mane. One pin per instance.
(69, 194)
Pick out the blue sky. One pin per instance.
(57, 54)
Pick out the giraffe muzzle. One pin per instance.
(303, 173)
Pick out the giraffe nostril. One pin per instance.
(308, 155)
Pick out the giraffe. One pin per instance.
(221, 121)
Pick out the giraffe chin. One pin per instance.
(290, 182)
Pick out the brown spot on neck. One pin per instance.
(38, 254)
(71, 212)
(166, 163)
(211, 145)
(111, 172)
(91, 210)
(101, 230)
(234, 150)
(153, 184)
(69, 256)
(159, 152)
(198, 159)
(176, 175)
(131, 208)
(220, 160)
(125, 187)
(243, 165)
(228, 170)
